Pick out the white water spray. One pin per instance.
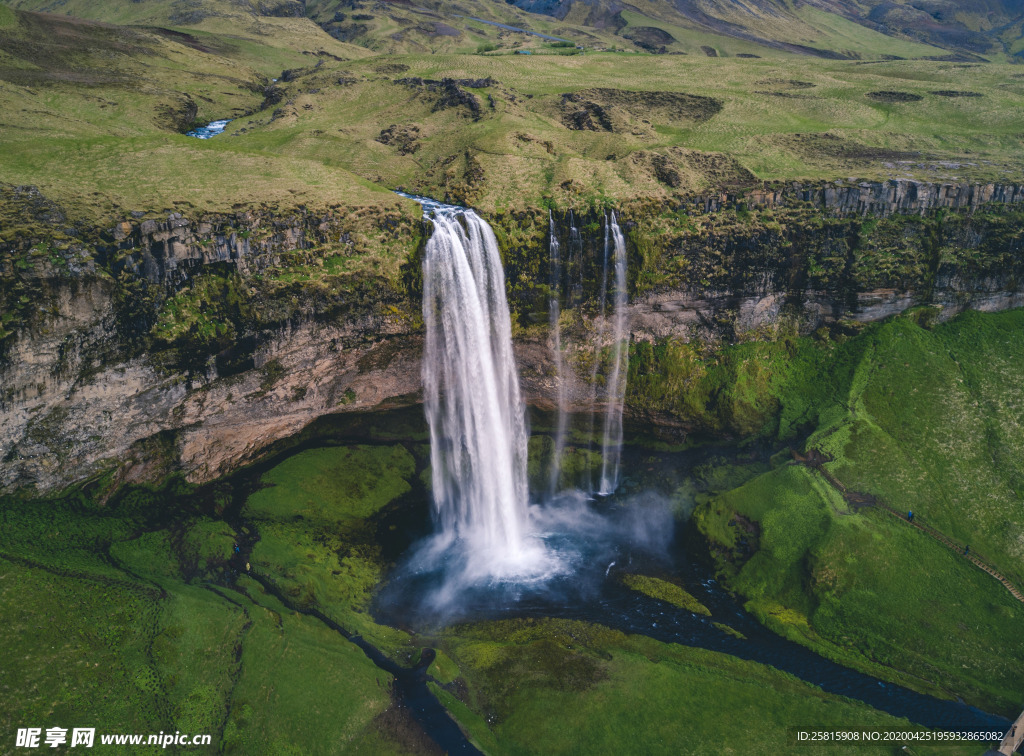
(611, 448)
(474, 406)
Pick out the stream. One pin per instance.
(210, 130)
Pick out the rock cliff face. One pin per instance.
(120, 354)
(878, 198)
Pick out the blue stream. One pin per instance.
(210, 130)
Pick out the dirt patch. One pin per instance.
(666, 172)
(890, 95)
(649, 37)
(583, 115)
(443, 30)
(405, 139)
(190, 41)
(391, 68)
(680, 168)
(814, 147)
(788, 95)
(955, 93)
(748, 537)
(448, 93)
(786, 83)
(619, 110)
(747, 55)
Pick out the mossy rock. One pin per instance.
(662, 590)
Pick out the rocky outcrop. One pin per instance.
(873, 197)
(167, 251)
(65, 418)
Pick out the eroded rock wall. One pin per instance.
(120, 354)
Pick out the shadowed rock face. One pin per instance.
(80, 397)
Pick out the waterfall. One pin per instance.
(575, 263)
(611, 448)
(597, 340)
(554, 315)
(476, 413)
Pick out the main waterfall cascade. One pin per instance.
(475, 410)
(487, 530)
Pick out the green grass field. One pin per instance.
(928, 419)
(561, 687)
(114, 622)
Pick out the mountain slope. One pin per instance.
(854, 29)
(975, 27)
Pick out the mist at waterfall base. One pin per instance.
(496, 543)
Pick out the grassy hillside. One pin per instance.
(115, 102)
(156, 641)
(926, 418)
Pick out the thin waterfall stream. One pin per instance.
(554, 316)
(611, 448)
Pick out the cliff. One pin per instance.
(192, 344)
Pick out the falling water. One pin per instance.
(473, 403)
(598, 338)
(575, 263)
(554, 314)
(611, 450)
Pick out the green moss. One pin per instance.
(208, 545)
(333, 485)
(271, 372)
(315, 542)
(443, 669)
(206, 316)
(730, 631)
(576, 466)
(662, 590)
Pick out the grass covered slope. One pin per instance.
(563, 687)
(854, 29)
(316, 539)
(118, 617)
(344, 125)
(114, 102)
(926, 418)
(586, 130)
